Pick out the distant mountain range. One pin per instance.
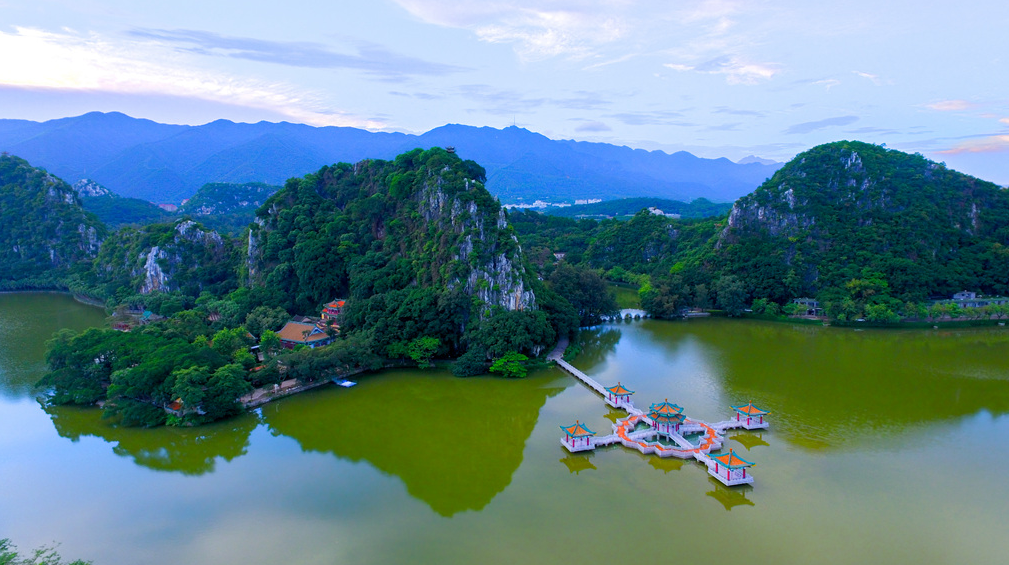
(168, 163)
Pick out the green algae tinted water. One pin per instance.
(885, 447)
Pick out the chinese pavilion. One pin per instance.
(333, 309)
(750, 416)
(730, 468)
(577, 437)
(617, 395)
(666, 417)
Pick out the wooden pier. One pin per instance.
(728, 468)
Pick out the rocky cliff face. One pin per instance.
(847, 206)
(860, 185)
(88, 188)
(43, 229)
(166, 257)
(423, 220)
(486, 245)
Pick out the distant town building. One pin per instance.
(168, 207)
(658, 212)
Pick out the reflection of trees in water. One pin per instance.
(190, 451)
(596, 345)
(454, 442)
(828, 387)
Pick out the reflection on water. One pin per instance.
(597, 344)
(454, 442)
(27, 320)
(831, 387)
(749, 439)
(361, 475)
(578, 462)
(730, 497)
(665, 464)
(190, 451)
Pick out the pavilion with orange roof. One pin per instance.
(618, 394)
(729, 468)
(666, 417)
(577, 437)
(754, 416)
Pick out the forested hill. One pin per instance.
(626, 207)
(44, 231)
(855, 211)
(227, 206)
(378, 226)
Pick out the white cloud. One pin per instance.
(539, 29)
(869, 76)
(950, 105)
(91, 62)
(735, 69)
(990, 144)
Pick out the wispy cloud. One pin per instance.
(989, 144)
(827, 83)
(868, 130)
(90, 62)
(868, 76)
(573, 28)
(807, 127)
(659, 118)
(498, 101)
(725, 127)
(735, 69)
(737, 112)
(368, 57)
(950, 105)
(592, 127)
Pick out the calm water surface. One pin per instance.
(884, 447)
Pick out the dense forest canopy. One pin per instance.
(45, 234)
(423, 255)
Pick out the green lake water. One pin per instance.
(884, 447)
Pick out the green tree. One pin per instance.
(472, 363)
(223, 390)
(586, 291)
(265, 318)
(731, 295)
(190, 385)
(45, 555)
(510, 365)
(269, 344)
(422, 349)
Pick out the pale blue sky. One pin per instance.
(717, 78)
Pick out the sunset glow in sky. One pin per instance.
(717, 78)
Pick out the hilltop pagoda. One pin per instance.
(751, 417)
(666, 418)
(729, 469)
(577, 437)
